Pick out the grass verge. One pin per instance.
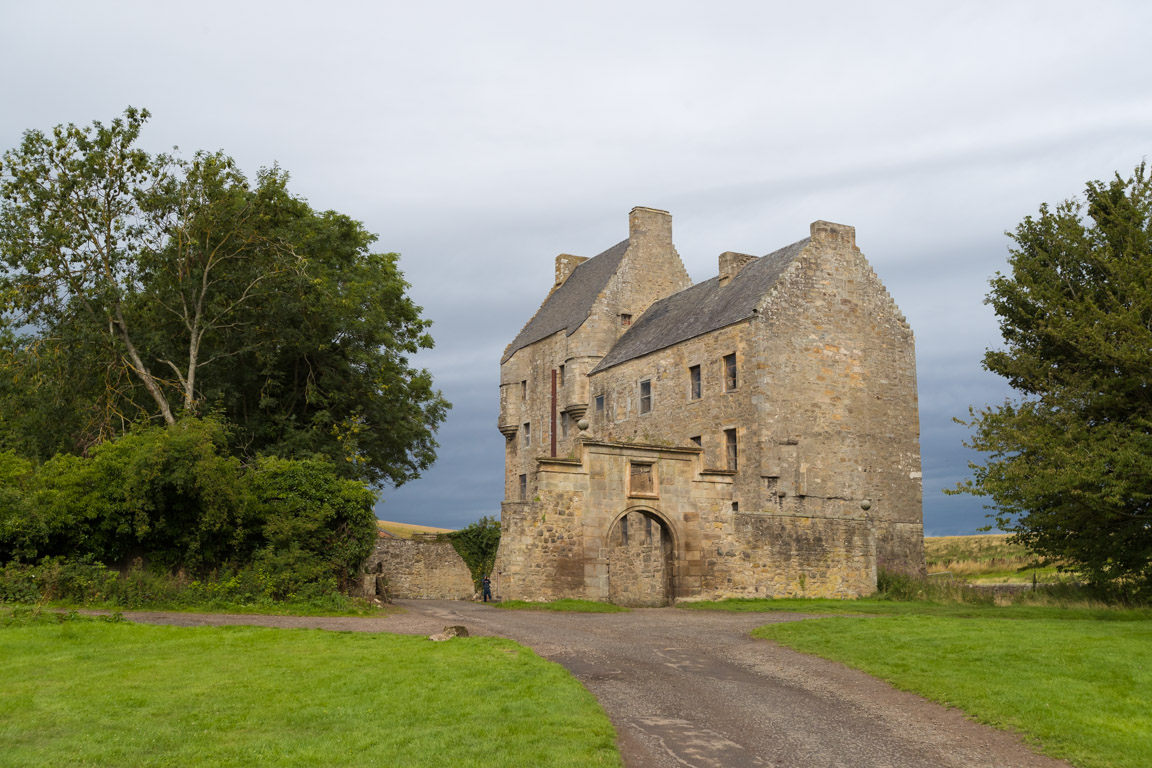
(99, 693)
(1076, 688)
(564, 606)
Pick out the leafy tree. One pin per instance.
(141, 287)
(477, 544)
(1069, 467)
(318, 528)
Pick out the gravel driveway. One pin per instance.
(691, 688)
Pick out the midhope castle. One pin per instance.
(755, 434)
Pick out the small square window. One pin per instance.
(625, 320)
(729, 372)
(694, 388)
(646, 396)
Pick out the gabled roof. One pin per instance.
(705, 307)
(569, 305)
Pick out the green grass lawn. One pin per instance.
(82, 692)
(1077, 687)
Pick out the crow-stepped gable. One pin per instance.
(755, 434)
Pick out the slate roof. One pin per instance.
(704, 307)
(569, 306)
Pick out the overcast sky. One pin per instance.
(479, 140)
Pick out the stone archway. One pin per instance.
(640, 554)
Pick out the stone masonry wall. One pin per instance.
(839, 424)
(418, 570)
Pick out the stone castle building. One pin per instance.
(755, 434)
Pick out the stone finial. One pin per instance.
(565, 264)
(649, 224)
(827, 230)
(731, 263)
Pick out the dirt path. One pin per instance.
(693, 689)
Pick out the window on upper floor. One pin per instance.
(694, 387)
(729, 372)
(523, 487)
(730, 448)
(563, 425)
(697, 441)
(625, 320)
(560, 377)
(524, 389)
(599, 403)
(646, 396)
(527, 434)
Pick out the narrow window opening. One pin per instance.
(730, 445)
(523, 487)
(645, 396)
(599, 403)
(648, 529)
(698, 440)
(624, 530)
(527, 434)
(560, 376)
(694, 388)
(524, 389)
(730, 372)
(563, 425)
(735, 506)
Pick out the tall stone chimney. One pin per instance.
(731, 263)
(650, 226)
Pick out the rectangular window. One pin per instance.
(729, 372)
(646, 396)
(524, 389)
(560, 376)
(625, 320)
(527, 434)
(730, 448)
(563, 425)
(599, 403)
(699, 441)
(523, 487)
(694, 389)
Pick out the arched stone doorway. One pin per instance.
(640, 553)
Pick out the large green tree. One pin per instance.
(141, 287)
(1069, 465)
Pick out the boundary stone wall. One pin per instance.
(413, 569)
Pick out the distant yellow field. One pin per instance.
(405, 530)
(986, 558)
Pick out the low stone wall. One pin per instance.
(415, 569)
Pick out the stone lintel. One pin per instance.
(619, 447)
